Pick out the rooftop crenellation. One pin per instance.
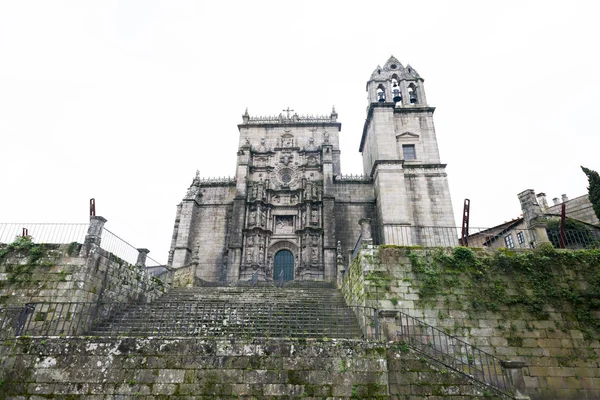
(286, 117)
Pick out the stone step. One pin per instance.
(239, 295)
(233, 311)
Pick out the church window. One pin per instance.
(412, 94)
(508, 240)
(380, 94)
(520, 237)
(408, 151)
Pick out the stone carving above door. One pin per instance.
(284, 224)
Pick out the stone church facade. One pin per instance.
(288, 211)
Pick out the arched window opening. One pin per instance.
(396, 91)
(412, 94)
(380, 94)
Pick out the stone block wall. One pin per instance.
(96, 368)
(211, 234)
(537, 307)
(72, 273)
(353, 201)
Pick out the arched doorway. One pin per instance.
(283, 263)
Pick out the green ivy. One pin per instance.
(544, 279)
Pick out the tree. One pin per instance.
(593, 189)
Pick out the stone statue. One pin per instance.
(250, 255)
(263, 217)
(252, 218)
(314, 255)
(314, 217)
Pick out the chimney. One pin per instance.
(564, 198)
(556, 201)
(542, 200)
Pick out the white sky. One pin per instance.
(124, 100)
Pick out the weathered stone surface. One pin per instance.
(343, 369)
(288, 192)
(561, 354)
(59, 276)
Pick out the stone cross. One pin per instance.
(288, 112)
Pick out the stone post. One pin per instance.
(339, 264)
(195, 263)
(533, 216)
(365, 228)
(141, 259)
(387, 324)
(94, 233)
(514, 372)
(350, 251)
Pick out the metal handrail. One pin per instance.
(198, 319)
(354, 253)
(452, 352)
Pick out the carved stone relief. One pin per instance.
(284, 224)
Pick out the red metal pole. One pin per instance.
(92, 207)
(464, 235)
(562, 226)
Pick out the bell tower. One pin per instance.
(400, 153)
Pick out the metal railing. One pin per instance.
(56, 233)
(450, 236)
(352, 178)
(353, 256)
(122, 249)
(64, 233)
(452, 352)
(119, 247)
(255, 282)
(197, 319)
(575, 239)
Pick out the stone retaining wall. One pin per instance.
(72, 273)
(95, 368)
(549, 324)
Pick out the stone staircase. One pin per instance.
(263, 311)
